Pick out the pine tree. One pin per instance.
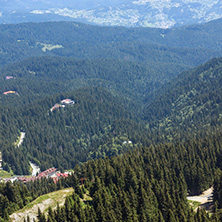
(41, 216)
(28, 219)
(171, 216)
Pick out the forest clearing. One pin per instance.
(20, 139)
(205, 199)
(43, 203)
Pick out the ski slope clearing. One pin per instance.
(35, 169)
(21, 138)
(43, 203)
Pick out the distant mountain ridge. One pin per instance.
(134, 13)
(189, 45)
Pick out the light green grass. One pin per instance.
(43, 202)
(86, 196)
(194, 204)
(5, 174)
(57, 197)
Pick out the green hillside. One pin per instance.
(112, 75)
(37, 77)
(43, 202)
(67, 135)
(190, 103)
(191, 45)
(148, 184)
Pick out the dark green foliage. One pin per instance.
(69, 135)
(148, 184)
(218, 188)
(98, 124)
(41, 217)
(191, 103)
(43, 76)
(187, 45)
(144, 184)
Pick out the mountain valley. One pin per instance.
(134, 113)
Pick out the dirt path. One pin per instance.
(205, 199)
(43, 203)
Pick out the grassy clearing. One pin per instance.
(20, 139)
(86, 199)
(49, 47)
(5, 174)
(57, 197)
(194, 204)
(17, 141)
(43, 202)
(33, 203)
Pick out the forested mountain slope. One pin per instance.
(192, 44)
(190, 103)
(148, 184)
(36, 77)
(29, 90)
(129, 63)
(64, 136)
(151, 182)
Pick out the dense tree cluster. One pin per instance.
(68, 135)
(148, 184)
(42, 76)
(189, 103)
(100, 121)
(191, 45)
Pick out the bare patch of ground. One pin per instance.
(49, 47)
(205, 199)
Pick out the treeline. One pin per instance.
(148, 184)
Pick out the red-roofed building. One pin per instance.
(59, 175)
(67, 102)
(47, 173)
(9, 92)
(9, 77)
